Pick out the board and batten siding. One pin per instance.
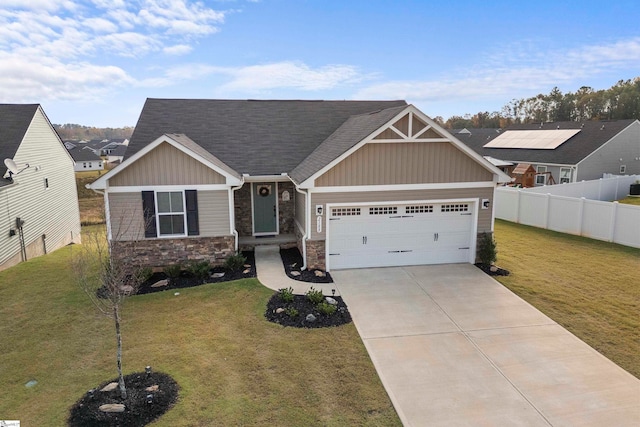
(300, 209)
(405, 163)
(127, 222)
(51, 215)
(166, 165)
(484, 215)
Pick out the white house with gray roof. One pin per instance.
(350, 183)
(38, 200)
(568, 151)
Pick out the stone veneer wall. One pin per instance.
(242, 201)
(316, 255)
(244, 222)
(163, 252)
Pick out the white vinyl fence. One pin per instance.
(609, 221)
(612, 187)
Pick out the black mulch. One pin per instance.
(304, 307)
(187, 280)
(487, 269)
(138, 412)
(292, 261)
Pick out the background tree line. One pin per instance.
(621, 101)
(74, 131)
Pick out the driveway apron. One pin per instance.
(452, 347)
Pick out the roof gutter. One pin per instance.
(232, 212)
(304, 236)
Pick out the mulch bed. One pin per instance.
(304, 307)
(487, 269)
(292, 261)
(86, 412)
(187, 280)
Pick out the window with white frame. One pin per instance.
(171, 213)
(565, 175)
(540, 179)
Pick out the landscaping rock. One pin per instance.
(319, 273)
(126, 289)
(295, 273)
(310, 318)
(279, 310)
(160, 283)
(247, 266)
(109, 387)
(331, 301)
(154, 387)
(112, 407)
(217, 275)
(246, 271)
(493, 269)
(294, 265)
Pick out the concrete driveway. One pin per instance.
(454, 347)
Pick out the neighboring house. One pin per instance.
(116, 155)
(563, 152)
(351, 183)
(38, 200)
(86, 160)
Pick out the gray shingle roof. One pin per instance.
(14, 122)
(80, 154)
(254, 137)
(354, 130)
(592, 135)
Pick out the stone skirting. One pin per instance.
(163, 252)
(316, 255)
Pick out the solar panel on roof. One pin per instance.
(532, 139)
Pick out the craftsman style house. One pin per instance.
(351, 183)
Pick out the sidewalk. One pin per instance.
(271, 273)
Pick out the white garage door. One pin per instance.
(404, 234)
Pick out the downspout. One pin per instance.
(232, 212)
(304, 236)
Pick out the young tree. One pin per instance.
(108, 278)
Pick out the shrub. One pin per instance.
(314, 296)
(291, 311)
(326, 308)
(487, 252)
(144, 274)
(199, 269)
(172, 271)
(286, 294)
(235, 262)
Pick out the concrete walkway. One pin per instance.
(271, 273)
(454, 347)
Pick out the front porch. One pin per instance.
(282, 240)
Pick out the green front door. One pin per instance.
(265, 209)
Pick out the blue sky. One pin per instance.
(94, 62)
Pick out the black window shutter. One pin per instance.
(191, 197)
(149, 209)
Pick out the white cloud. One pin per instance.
(178, 49)
(514, 71)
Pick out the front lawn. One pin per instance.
(232, 365)
(590, 287)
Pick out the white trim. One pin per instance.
(403, 187)
(404, 141)
(135, 188)
(302, 229)
(266, 178)
(498, 174)
(107, 214)
(532, 163)
(253, 225)
(232, 214)
(474, 226)
(100, 183)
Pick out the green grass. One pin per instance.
(233, 367)
(590, 287)
(91, 204)
(631, 200)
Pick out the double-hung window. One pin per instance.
(565, 175)
(540, 179)
(171, 213)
